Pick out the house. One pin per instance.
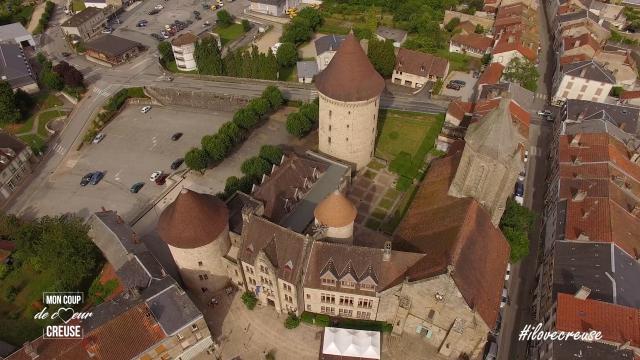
(85, 25)
(414, 69)
(491, 74)
(583, 44)
(466, 28)
(630, 97)
(102, 4)
(396, 35)
(485, 20)
(621, 64)
(15, 164)
(15, 68)
(586, 80)
(110, 50)
(273, 7)
(306, 71)
(326, 47)
(16, 33)
(473, 44)
(183, 46)
(582, 116)
(510, 46)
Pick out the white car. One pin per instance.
(544, 113)
(145, 109)
(275, 47)
(107, 31)
(526, 155)
(98, 138)
(519, 199)
(159, 7)
(504, 299)
(507, 275)
(155, 175)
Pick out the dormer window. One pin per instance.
(369, 287)
(328, 282)
(348, 284)
(422, 68)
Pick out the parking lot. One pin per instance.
(135, 145)
(466, 91)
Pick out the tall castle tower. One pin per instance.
(491, 161)
(349, 90)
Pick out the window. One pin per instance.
(199, 263)
(367, 287)
(327, 310)
(264, 269)
(308, 307)
(194, 327)
(569, 85)
(329, 114)
(583, 88)
(345, 312)
(348, 284)
(328, 282)
(328, 298)
(347, 139)
(287, 287)
(565, 94)
(288, 298)
(598, 92)
(329, 127)
(249, 269)
(180, 336)
(348, 112)
(329, 139)
(346, 300)
(308, 296)
(347, 126)
(363, 315)
(365, 303)
(205, 276)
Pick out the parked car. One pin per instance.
(504, 299)
(521, 176)
(158, 7)
(155, 175)
(196, 12)
(454, 86)
(154, 11)
(519, 190)
(157, 36)
(136, 187)
(145, 109)
(162, 179)
(141, 24)
(176, 163)
(459, 82)
(86, 179)
(176, 136)
(96, 177)
(65, 54)
(545, 113)
(526, 156)
(98, 138)
(107, 30)
(507, 275)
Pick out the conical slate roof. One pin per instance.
(350, 76)
(494, 135)
(335, 210)
(192, 220)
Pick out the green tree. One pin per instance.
(297, 125)
(451, 25)
(486, 59)
(255, 167)
(208, 57)
(516, 222)
(479, 29)
(287, 55)
(524, 72)
(165, 50)
(231, 185)
(292, 321)
(249, 299)
(271, 153)
(297, 31)
(233, 132)
(382, 56)
(224, 18)
(216, 146)
(51, 80)
(9, 112)
(246, 25)
(196, 159)
(259, 106)
(245, 118)
(312, 16)
(274, 96)
(310, 111)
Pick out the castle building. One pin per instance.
(491, 161)
(196, 229)
(349, 91)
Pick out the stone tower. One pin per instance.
(336, 214)
(349, 90)
(491, 161)
(196, 229)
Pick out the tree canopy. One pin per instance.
(196, 159)
(165, 50)
(255, 167)
(524, 72)
(224, 18)
(9, 112)
(69, 75)
(515, 224)
(287, 55)
(208, 57)
(274, 96)
(271, 153)
(382, 56)
(298, 125)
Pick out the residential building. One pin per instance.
(491, 74)
(472, 44)
(483, 20)
(326, 47)
(414, 69)
(586, 80)
(103, 4)
(16, 33)
(511, 46)
(630, 97)
(84, 25)
(183, 46)
(306, 70)
(15, 69)
(621, 65)
(15, 164)
(396, 35)
(273, 7)
(349, 90)
(110, 50)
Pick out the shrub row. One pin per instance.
(44, 19)
(110, 109)
(357, 324)
(253, 169)
(302, 122)
(216, 147)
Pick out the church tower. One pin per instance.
(491, 161)
(349, 91)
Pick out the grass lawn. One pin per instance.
(379, 214)
(288, 74)
(386, 203)
(375, 165)
(172, 67)
(27, 125)
(460, 62)
(50, 101)
(35, 141)
(392, 194)
(400, 131)
(78, 5)
(333, 26)
(369, 174)
(229, 33)
(45, 117)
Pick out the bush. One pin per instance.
(308, 317)
(245, 118)
(616, 91)
(4, 271)
(255, 167)
(231, 185)
(233, 132)
(246, 25)
(216, 146)
(292, 321)
(196, 159)
(224, 18)
(272, 154)
(297, 125)
(166, 51)
(259, 106)
(274, 96)
(322, 320)
(403, 183)
(287, 55)
(310, 111)
(249, 300)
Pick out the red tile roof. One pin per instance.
(564, 60)
(630, 95)
(513, 43)
(491, 74)
(518, 113)
(582, 40)
(473, 41)
(459, 108)
(617, 323)
(455, 231)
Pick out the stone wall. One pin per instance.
(197, 99)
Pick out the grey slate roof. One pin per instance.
(594, 117)
(581, 350)
(81, 17)
(608, 271)
(329, 42)
(522, 96)
(235, 204)
(11, 31)
(590, 70)
(173, 309)
(396, 35)
(307, 69)
(14, 67)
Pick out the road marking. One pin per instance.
(140, 63)
(533, 151)
(117, 176)
(59, 149)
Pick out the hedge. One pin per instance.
(44, 19)
(110, 110)
(253, 168)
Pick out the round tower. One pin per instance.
(349, 91)
(196, 229)
(337, 214)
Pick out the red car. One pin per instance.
(162, 179)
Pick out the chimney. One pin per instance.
(30, 351)
(119, 220)
(575, 141)
(583, 237)
(583, 72)
(579, 195)
(582, 293)
(636, 211)
(386, 253)
(635, 158)
(135, 238)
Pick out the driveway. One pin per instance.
(268, 39)
(135, 145)
(466, 92)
